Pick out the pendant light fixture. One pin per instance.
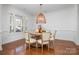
(40, 17)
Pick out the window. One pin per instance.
(11, 23)
(16, 23)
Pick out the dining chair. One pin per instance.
(28, 39)
(52, 39)
(44, 40)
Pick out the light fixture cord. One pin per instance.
(41, 8)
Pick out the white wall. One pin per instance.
(77, 39)
(64, 21)
(7, 36)
(0, 29)
(0, 18)
(30, 25)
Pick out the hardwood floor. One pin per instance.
(77, 49)
(19, 47)
(22, 50)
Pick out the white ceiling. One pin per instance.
(33, 9)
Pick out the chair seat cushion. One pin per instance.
(31, 40)
(44, 42)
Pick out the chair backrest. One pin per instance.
(45, 36)
(27, 36)
(53, 34)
